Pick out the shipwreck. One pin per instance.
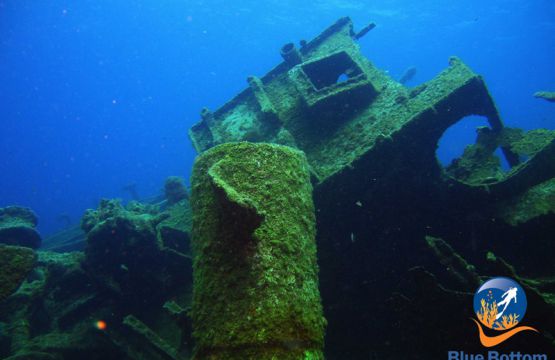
(321, 224)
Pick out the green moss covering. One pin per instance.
(174, 231)
(255, 272)
(179, 216)
(15, 264)
(527, 143)
(18, 227)
(478, 165)
(536, 201)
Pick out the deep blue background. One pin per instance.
(98, 94)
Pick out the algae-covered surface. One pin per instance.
(255, 272)
(15, 264)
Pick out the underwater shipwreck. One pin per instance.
(319, 224)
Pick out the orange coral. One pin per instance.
(487, 313)
(507, 322)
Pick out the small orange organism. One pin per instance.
(101, 325)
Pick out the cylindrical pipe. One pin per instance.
(255, 290)
(364, 31)
(290, 54)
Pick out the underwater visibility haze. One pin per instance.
(272, 179)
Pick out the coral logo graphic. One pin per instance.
(500, 304)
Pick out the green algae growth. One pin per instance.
(255, 272)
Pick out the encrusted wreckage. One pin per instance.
(380, 192)
(352, 120)
(402, 242)
(18, 227)
(134, 276)
(255, 291)
(362, 126)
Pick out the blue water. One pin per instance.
(98, 94)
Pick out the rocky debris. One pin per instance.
(255, 272)
(110, 209)
(15, 264)
(122, 245)
(74, 237)
(51, 313)
(129, 253)
(546, 95)
(18, 227)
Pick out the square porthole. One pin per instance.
(331, 70)
(333, 87)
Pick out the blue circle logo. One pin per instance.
(500, 304)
